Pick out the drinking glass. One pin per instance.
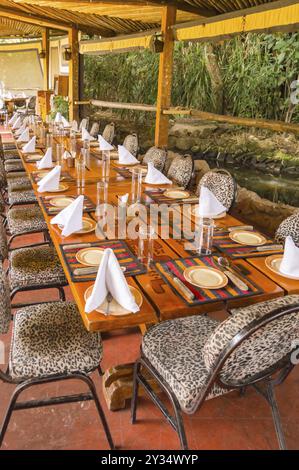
(204, 236)
(73, 146)
(6, 121)
(80, 171)
(49, 140)
(102, 193)
(42, 135)
(146, 244)
(136, 185)
(59, 153)
(105, 166)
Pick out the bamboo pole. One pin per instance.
(113, 105)
(46, 60)
(74, 74)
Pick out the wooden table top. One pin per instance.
(290, 286)
(159, 300)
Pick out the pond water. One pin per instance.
(284, 189)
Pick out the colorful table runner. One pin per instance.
(89, 206)
(224, 244)
(157, 195)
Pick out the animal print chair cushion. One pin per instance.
(21, 197)
(11, 155)
(13, 165)
(51, 339)
(131, 144)
(174, 348)
(289, 226)
(3, 243)
(109, 132)
(25, 220)
(2, 204)
(222, 185)
(5, 311)
(262, 349)
(18, 184)
(16, 174)
(156, 156)
(37, 266)
(95, 129)
(180, 171)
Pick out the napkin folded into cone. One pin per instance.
(290, 260)
(17, 124)
(86, 136)
(111, 279)
(209, 205)
(155, 176)
(70, 218)
(125, 157)
(50, 182)
(30, 147)
(104, 145)
(24, 137)
(46, 161)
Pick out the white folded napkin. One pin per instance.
(86, 135)
(208, 204)
(110, 278)
(125, 157)
(74, 125)
(50, 182)
(24, 137)
(290, 260)
(21, 129)
(13, 119)
(30, 147)
(70, 217)
(17, 124)
(60, 118)
(46, 161)
(124, 199)
(104, 145)
(155, 176)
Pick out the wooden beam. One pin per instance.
(74, 74)
(165, 76)
(277, 126)
(46, 60)
(32, 19)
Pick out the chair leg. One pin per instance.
(9, 411)
(135, 392)
(276, 416)
(61, 294)
(92, 388)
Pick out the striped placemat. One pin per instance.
(123, 171)
(89, 206)
(175, 268)
(158, 196)
(224, 244)
(65, 176)
(121, 250)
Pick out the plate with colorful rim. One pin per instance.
(115, 309)
(89, 225)
(91, 256)
(273, 262)
(248, 238)
(176, 194)
(194, 211)
(205, 277)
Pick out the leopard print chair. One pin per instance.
(181, 169)
(157, 156)
(11, 155)
(289, 227)
(49, 343)
(13, 165)
(109, 132)
(222, 184)
(32, 268)
(131, 144)
(198, 358)
(95, 129)
(24, 221)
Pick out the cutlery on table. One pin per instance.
(109, 300)
(77, 245)
(181, 285)
(91, 270)
(236, 227)
(262, 248)
(225, 263)
(233, 277)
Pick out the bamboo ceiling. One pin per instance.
(108, 18)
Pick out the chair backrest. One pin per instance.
(157, 156)
(31, 102)
(181, 169)
(109, 132)
(5, 308)
(131, 144)
(3, 243)
(252, 342)
(83, 124)
(2, 174)
(2, 204)
(289, 227)
(95, 129)
(222, 184)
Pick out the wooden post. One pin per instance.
(46, 59)
(74, 74)
(165, 76)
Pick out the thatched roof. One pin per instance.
(106, 18)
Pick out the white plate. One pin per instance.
(205, 277)
(194, 211)
(176, 194)
(115, 309)
(247, 237)
(61, 201)
(273, 263)
(90, 256)
(89, 225)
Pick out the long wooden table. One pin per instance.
(160, 302)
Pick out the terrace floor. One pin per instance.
(228, 422)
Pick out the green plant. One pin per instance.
(61, 105)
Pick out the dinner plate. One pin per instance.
(273, 262)
(176, 194)
(62, 187)
(115, 309)
(194, 211)
(142, 168)
(246, 237)
(205, 277)
(89, 225)
(33, 158)
(90, 256)
(61, 201)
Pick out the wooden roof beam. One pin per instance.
(33, 19)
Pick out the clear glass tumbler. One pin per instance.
(59, 153)
(102, 192)
(146, 244)
(105, 165)
(204, 236)
(136, 185)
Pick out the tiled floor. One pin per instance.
(228, 422)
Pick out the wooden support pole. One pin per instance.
(165, 76)
(46, 59)
(74, 74)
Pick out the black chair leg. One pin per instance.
(9, 411)
(92, 388)
(135, 392)
(276, 416)
(61, 294)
